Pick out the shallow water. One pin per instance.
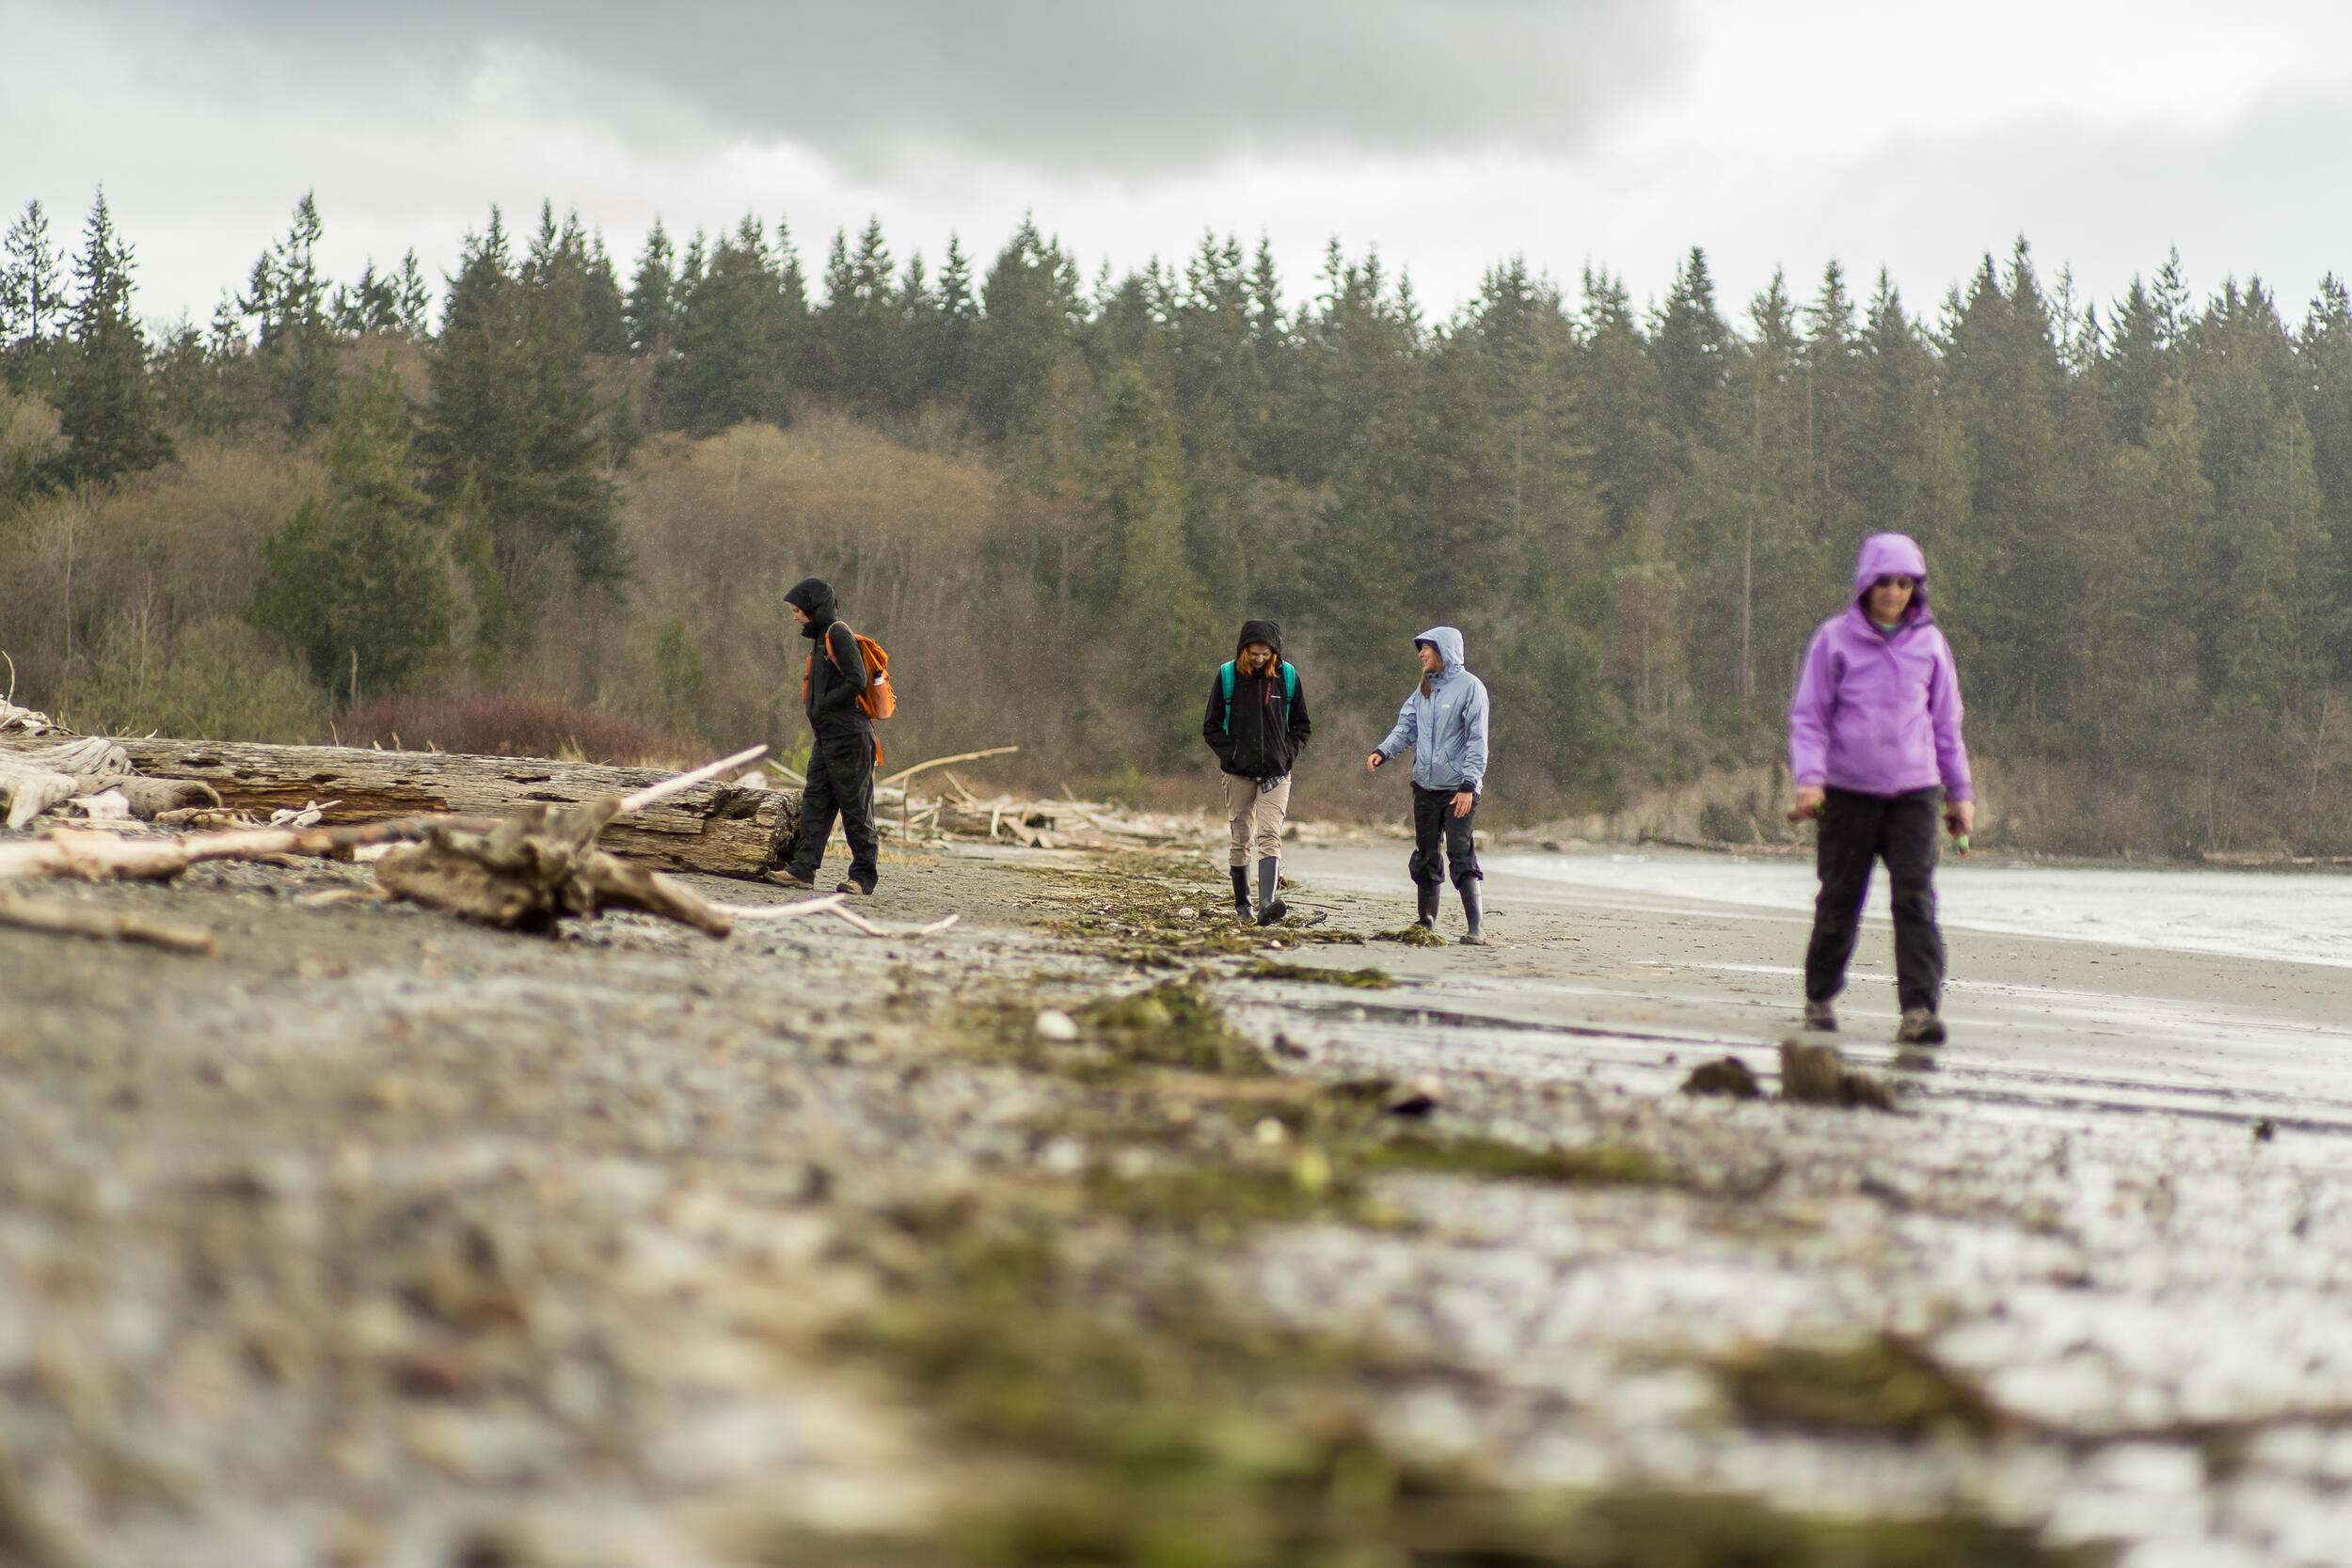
(2303, 917)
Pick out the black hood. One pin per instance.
(1258, 631)
(814, 595)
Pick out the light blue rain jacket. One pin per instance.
(1447, 728)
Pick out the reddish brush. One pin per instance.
(509, 724)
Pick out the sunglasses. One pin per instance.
(1894, 582)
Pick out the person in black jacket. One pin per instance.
(1257, 725)
(841, 750)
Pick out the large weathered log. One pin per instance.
(720, 828)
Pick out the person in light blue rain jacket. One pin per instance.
(1444, 721)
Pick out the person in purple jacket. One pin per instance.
(1873, 741)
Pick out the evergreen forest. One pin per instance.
(538, 484)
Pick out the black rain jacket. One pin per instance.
(1265, 734)
(833, 683)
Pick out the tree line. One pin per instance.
(2138, 511)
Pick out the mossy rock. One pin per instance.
(1596, 1164)
(1415, 935)
(1886, 1387)
(1367, 978)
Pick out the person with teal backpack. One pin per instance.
(1257, 725)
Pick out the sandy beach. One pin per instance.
(381, 1239)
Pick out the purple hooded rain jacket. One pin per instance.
(1877, 712)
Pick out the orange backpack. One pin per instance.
(879, 699)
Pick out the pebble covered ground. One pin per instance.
(1072, 1235)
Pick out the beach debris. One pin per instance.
(1417, 1100)
(75, 920)
(522, 872)
(2266, 1129)
(1726, 1075)
(1056, 1026)
(1817, 1075)
(1415, 935)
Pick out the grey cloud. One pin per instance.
(2239, 201)
(1105, 87)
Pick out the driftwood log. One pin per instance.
(725, 829)
(524, 871)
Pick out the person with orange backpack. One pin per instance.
(842, 692)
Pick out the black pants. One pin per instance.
(1857, 830)
(840, 783)
(1435, 824)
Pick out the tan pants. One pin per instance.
(1256, 816)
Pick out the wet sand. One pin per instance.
(2056, 1024)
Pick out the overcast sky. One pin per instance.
(1449, 134)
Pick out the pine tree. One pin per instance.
(2324, 357)
(287, 298)
(31, 299)
(959, 319)
(1621, 415)
(1029, 309)
(513, 420)
(856, 329)
(1144, 590)
(734, 348)
(370, 304)
(1691, 345)
(651, 307)
(357, 585)
(106, 404)
(413, 299)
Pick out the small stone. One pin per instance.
(1817, 1075)
(1726, 1075)
(1057, 1026)
(1290, 1049)
(2266, 1129)
(1270, 1132)
(1417, 1099)
(1187, 913)
(389, 1093)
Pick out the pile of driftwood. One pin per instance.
(539, 863)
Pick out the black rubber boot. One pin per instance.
(1428, 915)
(1241, 895)
(1471, 913)
(1270, 906)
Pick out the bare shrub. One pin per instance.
(512, 724)
(212, 680)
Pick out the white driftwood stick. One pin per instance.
(101, 856)
(904, 774)
(684, 782)
(781, 912)
(873, 931)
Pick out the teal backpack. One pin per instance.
(1290, 691)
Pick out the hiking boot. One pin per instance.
(793, 878)
(862, 889)
(1241, 896)
(1919, 1028)
(1821, 1016)
(1270, 906)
